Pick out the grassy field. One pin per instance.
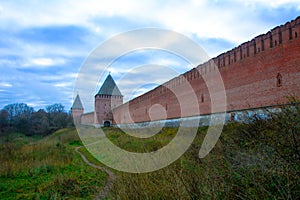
(49, 168)
(259, 160)
(242, 165)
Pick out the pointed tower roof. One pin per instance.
(109, 87)
(77, 103)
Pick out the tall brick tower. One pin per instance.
(108, 98)
(77, 110)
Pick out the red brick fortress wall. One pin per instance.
(87, 118)
(258, 73)
(103, 106)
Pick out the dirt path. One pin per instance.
(111, 176)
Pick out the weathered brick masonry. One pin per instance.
(257, 73)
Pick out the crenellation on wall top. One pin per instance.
(273, 38)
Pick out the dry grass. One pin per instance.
(259, 160)
(241, 166)
(48, 169)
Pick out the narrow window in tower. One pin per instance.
(278, 80)
(202, 98)
(291, 33)
(271, 41)
(280, 37)
(234, 56)
(262, 45)
(296, 34)
(247, 51)
(241, 54)
(166, 106)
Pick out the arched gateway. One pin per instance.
(106, 124)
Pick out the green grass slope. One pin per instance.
(48, 168)
(258, 160)
(250, 161)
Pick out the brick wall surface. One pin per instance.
(103, 106)
(87, 118)
(76, 114)
(251, 73)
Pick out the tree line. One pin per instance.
(19, 117)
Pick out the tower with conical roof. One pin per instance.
(77, 110)
(107, 98)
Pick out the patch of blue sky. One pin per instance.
(55, 35)
(275, 16)
(40, 56)
(213, 46)
(118, 24)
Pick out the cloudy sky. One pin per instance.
(43, 44)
